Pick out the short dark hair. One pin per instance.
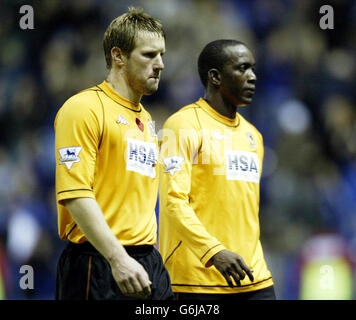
(123, 31)
(214, 56)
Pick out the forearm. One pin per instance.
(89, 217)
(129, 274)
(192, 231)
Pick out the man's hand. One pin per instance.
(131, 278)
(130, 275)
(230, 264)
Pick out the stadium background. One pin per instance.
(304, 106)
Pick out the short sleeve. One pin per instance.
(77, 136)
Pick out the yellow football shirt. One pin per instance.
(106, 149)
(210, 172)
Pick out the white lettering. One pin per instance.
(242, 165)
(141, 310)
(327, 20)
(141, 157)
(327, 278)
(27, 280)
(27, 20)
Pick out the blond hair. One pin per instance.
(122, 31)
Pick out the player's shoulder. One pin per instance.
(185, 117)
(146, 112)
(249, 126)
(87, 96)
(82, 102)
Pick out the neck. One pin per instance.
(218, 104)
(119, 83)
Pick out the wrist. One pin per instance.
(213, 258)
(117, 255)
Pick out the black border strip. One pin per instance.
(102, 131)
(201, 128)
(70, 231)
(219, 244)
(74, 190)
(88, 280)
(218, 286)
(180, 242)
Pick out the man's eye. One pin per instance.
(149, 55)
(243, 67)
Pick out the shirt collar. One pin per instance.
(111, 93)
(217, 116)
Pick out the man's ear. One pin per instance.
(214, 77)
(117, 57)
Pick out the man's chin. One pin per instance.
(151, 86)
(150, 91)
(244, 103)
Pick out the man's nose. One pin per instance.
(158, 65)
(251, 77)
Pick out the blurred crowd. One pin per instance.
(304, 106)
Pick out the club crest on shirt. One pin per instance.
(173, 164)
(250, 138)
(69, 156)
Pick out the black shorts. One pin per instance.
(84, 274)
(263, 294)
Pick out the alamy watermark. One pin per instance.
(27, 278)
(327, 20)
(27, 20)
(327, 277)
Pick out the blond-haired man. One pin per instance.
(106, 173)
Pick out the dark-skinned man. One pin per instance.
(210, 171)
